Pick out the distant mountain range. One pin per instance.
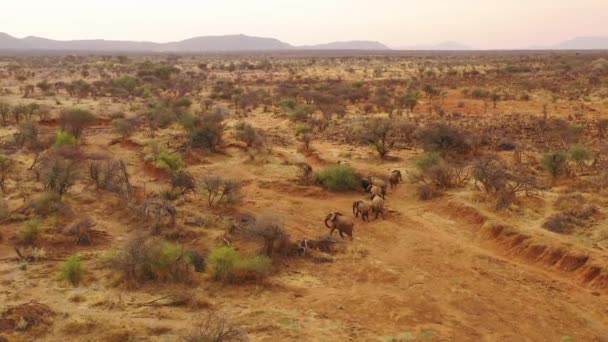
(445, 46)
(238, 42)
(242, 42)
(584, 43)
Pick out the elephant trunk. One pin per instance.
(326, 223)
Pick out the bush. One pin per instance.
(426, 192)
(556, 163)
(147, 259)
(58, 175)
(560, 223)
(221, 262)
(427, 161)
(31, 231)
(47, 203)
(579, 154)
(339, 177)
(72, 269)
(208, 131)
(218, 189)
(6, 167)
(170, 161)
(443, 139)
(64, 138)
(213, 328)
(75, 120)
(123, 127)
(248, 134)
(226, 265)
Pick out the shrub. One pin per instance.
(209, 130)
(339, 177)
(31, 231)
(64, 138)
(270, 230)
(47, 203)
(75, 120)
(556, 163)
(148, 259)
(6, 167)
(72, 269)
(579, 154)
(248, 134)
(304, 134)
(170, 161)
(221, 262)
(427, 161)
(426, 192)
(124, 127)
(560, 223)
(58, 175)
(443, 175)
(213, 328)
(443, 139)
(382, 134)
(226, 265)
(111, 175)
(27, 134)
(218, 189)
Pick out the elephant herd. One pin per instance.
(376, 187)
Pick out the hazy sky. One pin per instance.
(477, 23)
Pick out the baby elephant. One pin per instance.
(395, 178)
(343, 224)
(363, 208)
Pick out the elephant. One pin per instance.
(368, 182)
(378, 205)
(376, 191)
(395, 178)
(343, 224)
(363, 208)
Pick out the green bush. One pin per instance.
(556, 163)
(428, 160)
(221, 262)
(145, 259)
(64, 138)
(31, 231)
(579, 154)
(253, 268)
(170, 161)
(226, 265)
(339, 177)
(72, 269)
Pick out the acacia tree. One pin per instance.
(75, 120)
(382, 134)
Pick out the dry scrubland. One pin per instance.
(169, 198)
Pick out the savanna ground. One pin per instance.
(178, 198)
